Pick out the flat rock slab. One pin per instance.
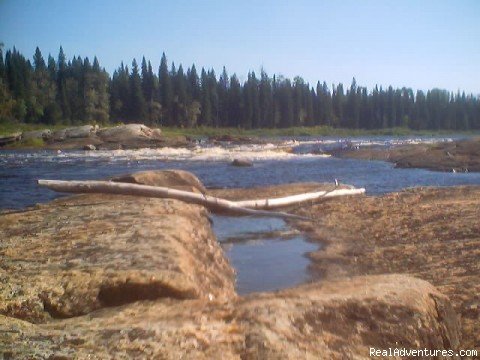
(334, 320)
(459, 156)
(79, 254)
(429, 233)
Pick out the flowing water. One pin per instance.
(265, 252)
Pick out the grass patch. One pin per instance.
(7, 128)
(302, 131)
(28, 143)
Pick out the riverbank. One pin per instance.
(456, 156)
(8, 129)
(89, 137)
(429, 233)
(122, 277)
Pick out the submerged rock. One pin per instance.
(89, 147)
(241, 163)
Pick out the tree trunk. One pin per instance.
(213, 203)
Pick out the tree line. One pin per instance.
(57, 91)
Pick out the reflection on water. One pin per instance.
(262, 263)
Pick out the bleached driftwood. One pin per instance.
(249, 207)
(296, 199)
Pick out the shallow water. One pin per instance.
(262, 263)
(266, 254)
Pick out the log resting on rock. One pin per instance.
(211, 202)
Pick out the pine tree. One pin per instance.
(338, 102)
(206, 106)
(193, 84)
(235, 103)
(61, 86)
(214, 101)
(266, 101)
(2, 66)
(165, 90)
(223, 84)
(180, 99)
(137, 104)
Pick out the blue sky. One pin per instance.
(421, 44)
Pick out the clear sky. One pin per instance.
(417, 43)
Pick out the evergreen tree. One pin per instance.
(137, 103)
(266, 101)
(78, 91)
(193, 84)
(223, 101)
(206, 106)
(2, 65)
(62, 87)
(235, 101)
(179, 111)
(165, 89)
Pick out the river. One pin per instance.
(262, 262)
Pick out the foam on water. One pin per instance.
(212, 153)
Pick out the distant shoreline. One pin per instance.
(9, 128)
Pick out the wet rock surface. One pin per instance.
(458, 156)
(119, 277)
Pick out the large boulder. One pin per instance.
(178, 179)
(44, 134)
(128, 133)
(59, 135)
(332, 320)
(241, 163)
(84, 131)
(10, 139)
(82, 253)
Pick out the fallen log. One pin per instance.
(296, 199)
(213, 203)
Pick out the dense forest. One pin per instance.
(61, 91)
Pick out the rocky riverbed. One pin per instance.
(429, 233)
(89, 137)
(456, 156)
(118, 277)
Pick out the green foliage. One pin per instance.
(30, 143)
(77, 91)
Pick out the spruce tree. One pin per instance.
(137, 103)
(165, 90)
(223, 84)
(2, 66)
(235, 103)
(266, 101)
(206, 106)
